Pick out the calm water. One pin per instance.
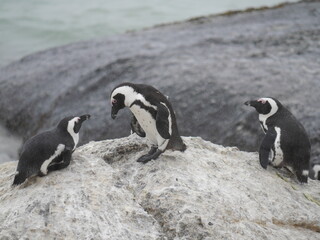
(27, 26)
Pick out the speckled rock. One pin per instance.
(207, 192)
(9, 145)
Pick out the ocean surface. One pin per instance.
(27, 26)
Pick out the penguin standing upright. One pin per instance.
(50, 150)
(286, 142)
(154, 114)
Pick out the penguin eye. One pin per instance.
(114, 101)
(262, 101)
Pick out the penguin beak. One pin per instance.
(114, 112)
(84, 117)
(249, 103)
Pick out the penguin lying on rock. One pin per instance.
(50, 150)
(286, 142)
(153, 113)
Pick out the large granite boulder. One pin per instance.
(208, 66)
(207, 192)
(9, 145)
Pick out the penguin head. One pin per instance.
(121, 97)
(265, 105)
(117, 103)
(72, 124)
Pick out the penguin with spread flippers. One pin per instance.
(286, 142)
(153, 113)
(50, 150)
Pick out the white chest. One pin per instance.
(147, 122)
(75, 139)
(45, 164)
(278, 153)
(263, 120)
(70, 129)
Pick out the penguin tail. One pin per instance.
(19, 178)
(183, 147)
(177, 144)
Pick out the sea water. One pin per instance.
(27, 26)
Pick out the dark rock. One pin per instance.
(208, 66)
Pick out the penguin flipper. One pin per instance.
(136, 128)
(266, 147)
(65, 158)
(162, 121)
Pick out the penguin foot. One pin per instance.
(152, 150)
(148, 157)
(145, 158)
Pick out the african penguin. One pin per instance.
(153, 113)
(50, 150)
(286, 142)
(136, 128)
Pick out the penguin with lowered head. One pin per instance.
(153, 113)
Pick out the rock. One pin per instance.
(9, 145)
(207, 192)
(208, 66)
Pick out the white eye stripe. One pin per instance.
(70, 129)
(274, 108)
(263, 101)
(130, 96)
(273, 104)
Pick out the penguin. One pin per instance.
(286, 142)
(153, 113)
(50, 150)
(136, 128)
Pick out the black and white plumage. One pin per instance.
(286, 142)
(153, 117)
(50, 150)
(136, 128)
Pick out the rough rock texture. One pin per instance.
(208, 192)
(208, 66)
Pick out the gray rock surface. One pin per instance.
(207, 192)
(8, 146)
(208, 66)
